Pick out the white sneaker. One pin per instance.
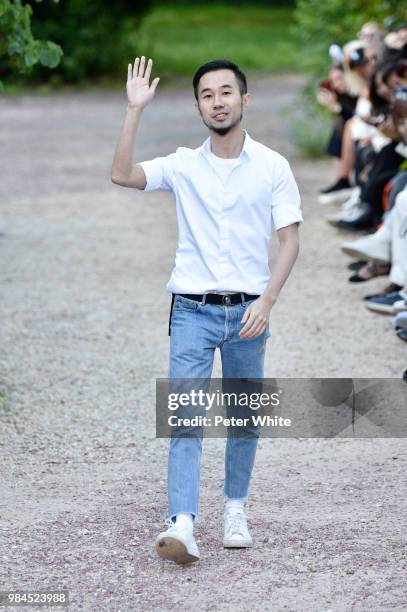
(338, 192)
(337, 196)
(236, 533)
(372, 248)
(177, 544)
(351, 204)
(349, 215)
(400, 306)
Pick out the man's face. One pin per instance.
(219, 101)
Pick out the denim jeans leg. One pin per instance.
(191, 357)
(241, 358)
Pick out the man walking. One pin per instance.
(229, 193)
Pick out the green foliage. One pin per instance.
(268, 3)
(98, 38)
(18, 48)
(181, 37)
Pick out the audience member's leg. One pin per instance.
(398, 273)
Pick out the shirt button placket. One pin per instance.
(224, 237)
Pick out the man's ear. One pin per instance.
(246, 99)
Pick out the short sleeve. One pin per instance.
(285, 198)
(158, 172)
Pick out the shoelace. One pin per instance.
(175, 527)
(237, 522)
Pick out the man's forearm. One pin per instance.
(287, 254)
(122, 160)
(256, 316)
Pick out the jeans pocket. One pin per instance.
(182, 303)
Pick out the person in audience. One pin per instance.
(369, 145)
(333, 95)
(371, 34)
(388, 245)
(359, 63)
(377, 145)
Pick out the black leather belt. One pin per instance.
(228, 299)
(216, 298)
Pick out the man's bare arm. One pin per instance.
(256, 316)
(139, 94)
(287, 254)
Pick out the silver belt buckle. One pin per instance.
(226, 300)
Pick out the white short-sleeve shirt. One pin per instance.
(225, 227)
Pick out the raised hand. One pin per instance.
(139, 90)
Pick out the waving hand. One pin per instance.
(139, 90)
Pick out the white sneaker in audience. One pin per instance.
(349, 215)
(376, 247)
(352, 204)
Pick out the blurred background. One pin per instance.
(49, 45)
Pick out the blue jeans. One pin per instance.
(197, 329)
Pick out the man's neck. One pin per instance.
(228, 146)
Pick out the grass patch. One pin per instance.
(181, 38)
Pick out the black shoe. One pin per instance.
(372, 271)
(402, 334)
(364, 221)
(356, 265)
(389, 289)
(342, 183)
(338, 191)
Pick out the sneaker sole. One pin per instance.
(173, 549)
(359, 254)
(337, 196)
(233, 544)
(382, 308)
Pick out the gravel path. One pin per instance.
(84, 317)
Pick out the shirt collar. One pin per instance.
(247, 149)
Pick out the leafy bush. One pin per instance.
(19, 50)
(97, 38)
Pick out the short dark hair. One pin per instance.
(220, 65)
